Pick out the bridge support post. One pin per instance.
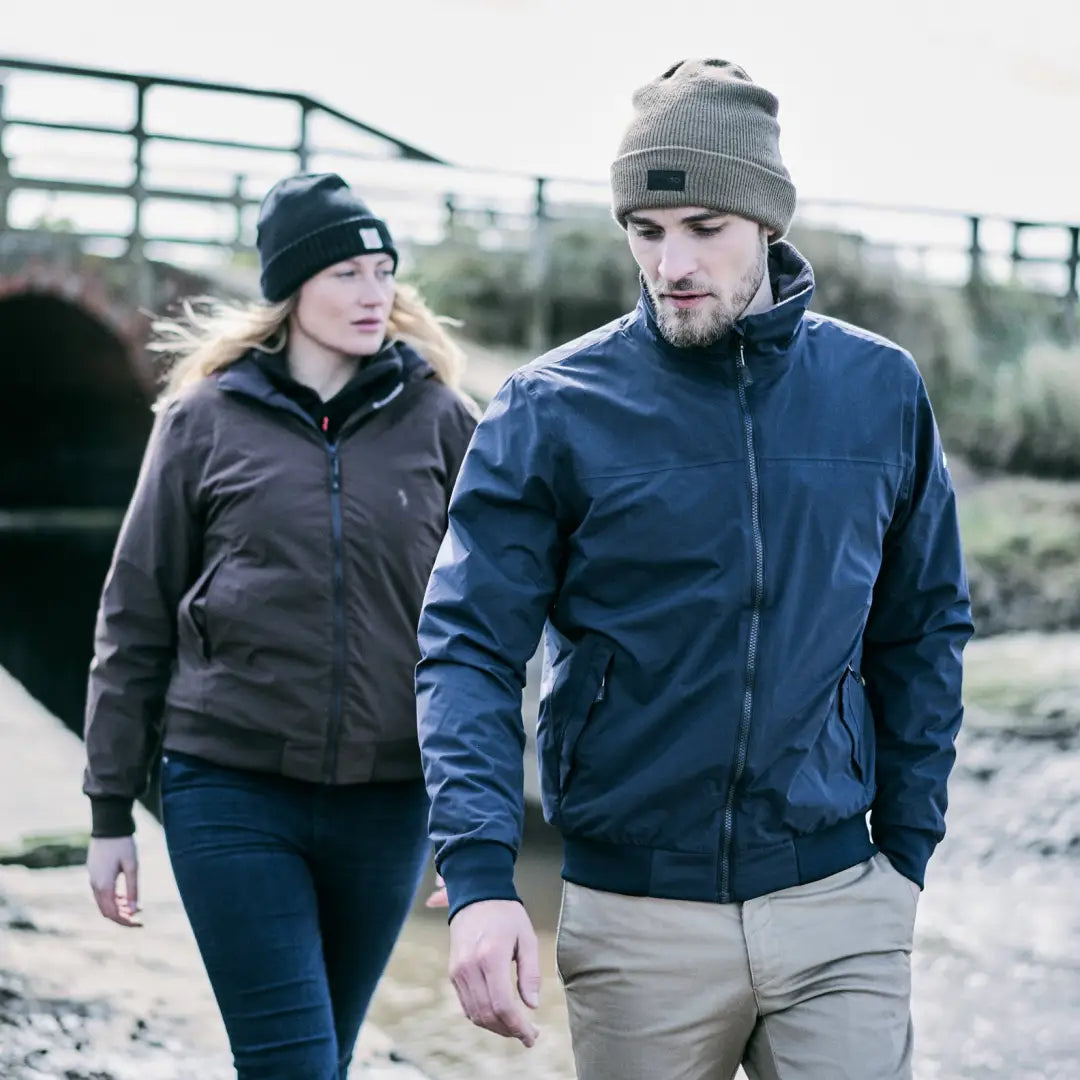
(143, 278)
(539, 274)
(5, 174)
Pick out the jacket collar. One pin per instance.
(385, 373)
(765, 338)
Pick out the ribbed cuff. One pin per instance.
(480, 871)
(909, 850)
(111, 815)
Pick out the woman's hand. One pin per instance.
(109, 857)
(438, 898)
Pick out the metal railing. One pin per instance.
(143, 135)
(430, 196)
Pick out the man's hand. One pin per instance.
(485, 938)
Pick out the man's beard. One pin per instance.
(705, 326)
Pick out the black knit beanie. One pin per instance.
(310, 222)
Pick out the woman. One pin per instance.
(259, 622)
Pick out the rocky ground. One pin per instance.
(996, 964)
(81, 998)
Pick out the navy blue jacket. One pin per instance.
(746, 565)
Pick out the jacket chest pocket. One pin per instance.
(396, 509)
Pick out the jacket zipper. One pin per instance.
(337, 690)
(340, 653)
(755, 626)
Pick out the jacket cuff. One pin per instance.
(909, 850)
(111, 816)
(483, 870)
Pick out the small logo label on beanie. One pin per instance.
(666, 180)
(371, 239)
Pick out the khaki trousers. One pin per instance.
(808, 983)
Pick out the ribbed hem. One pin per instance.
(292, 266)
(111, 816)
(720, 182)
(480, 871)
(909, 850)
(635, 870)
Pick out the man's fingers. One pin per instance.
(492, 1010)
(469, 984)
(475, 998)
(504, 1015)
(487, 938)
(528, 969)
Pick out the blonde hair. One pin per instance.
(212, 335)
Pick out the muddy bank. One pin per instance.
(996, 966)
(52, 1025)
(996, 963)
(997, 960)
(81, 998)
(49, 1034)
(64, 1038)
(69, 1039)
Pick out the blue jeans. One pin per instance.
(296, 893)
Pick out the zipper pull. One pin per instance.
(602, 692)
(335, 473)
(744, 371)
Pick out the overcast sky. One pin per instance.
(932, 103)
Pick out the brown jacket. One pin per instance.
(262, 603)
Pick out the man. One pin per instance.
(733, 521)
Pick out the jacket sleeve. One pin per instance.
(920, 620)
(486, 603)
(153, 564)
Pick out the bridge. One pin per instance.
(122, 193)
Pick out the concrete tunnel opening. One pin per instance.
(74, 419)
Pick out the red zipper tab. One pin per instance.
(326, 423)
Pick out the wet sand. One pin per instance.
(996, 966)
(996, 962)
(81, 998)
